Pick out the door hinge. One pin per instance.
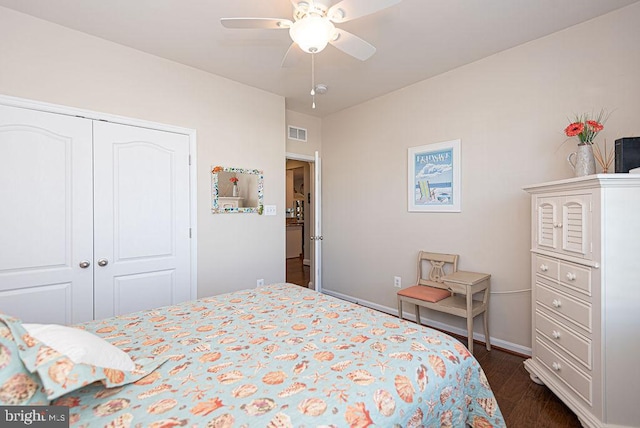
(189, 160)
(189, 233)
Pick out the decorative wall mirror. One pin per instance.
(236, 190)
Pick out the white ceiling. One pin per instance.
(415, 39)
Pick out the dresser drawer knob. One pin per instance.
(556, 303)
(557, 225)
(544, 267)
(571, 276)
(556, 366)
(555, 334)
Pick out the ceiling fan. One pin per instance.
(313, 25)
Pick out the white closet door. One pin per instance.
(46, 227)
(141, 212)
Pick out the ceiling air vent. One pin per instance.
(298, 134)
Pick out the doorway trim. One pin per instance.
(299, 157)
(311, 160)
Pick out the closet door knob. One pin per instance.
(85, 264)
(103, 262)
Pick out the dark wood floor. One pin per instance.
(523, 403)
(297, 272)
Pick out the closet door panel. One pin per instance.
(156, 287)
(143, 194)
(46, 224)
(141, 215)
(46, 303)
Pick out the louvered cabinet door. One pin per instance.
(563, 223)
(548, 221)
(576, 225)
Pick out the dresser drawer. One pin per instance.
(546, 267)
(575, 277)
(563, 305)
(579, 382)
(572, 343)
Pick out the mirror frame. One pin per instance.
(215, 206)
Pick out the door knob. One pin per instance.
(85, 264)
(103, 262)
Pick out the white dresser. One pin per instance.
(585, 280)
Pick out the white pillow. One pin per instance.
(81, 346)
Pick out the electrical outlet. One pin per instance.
(269, 210)
(397, 281)
(260, 283)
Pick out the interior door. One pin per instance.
(46, 227)
(141, 212)
(317, 228)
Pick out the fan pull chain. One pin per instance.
(313, 80)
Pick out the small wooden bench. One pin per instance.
(445, 289)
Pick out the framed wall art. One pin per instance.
(434, 177)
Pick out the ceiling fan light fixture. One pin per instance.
(337, 15)
(312, 33)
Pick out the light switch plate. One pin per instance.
(269, 210)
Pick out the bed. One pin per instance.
(275, 356)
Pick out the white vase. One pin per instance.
(582, 161)
(235, 190)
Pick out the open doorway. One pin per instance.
(298, 221)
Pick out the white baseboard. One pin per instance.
(523, 350)
(306, 262)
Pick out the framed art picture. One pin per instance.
(434, 177)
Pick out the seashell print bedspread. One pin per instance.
(286, 356)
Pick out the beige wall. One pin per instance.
(509, 111)
(236, 126)
(313, 125)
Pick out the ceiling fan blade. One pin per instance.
(353, 45)
(293, 56)
(266, 23)
(346, 10)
